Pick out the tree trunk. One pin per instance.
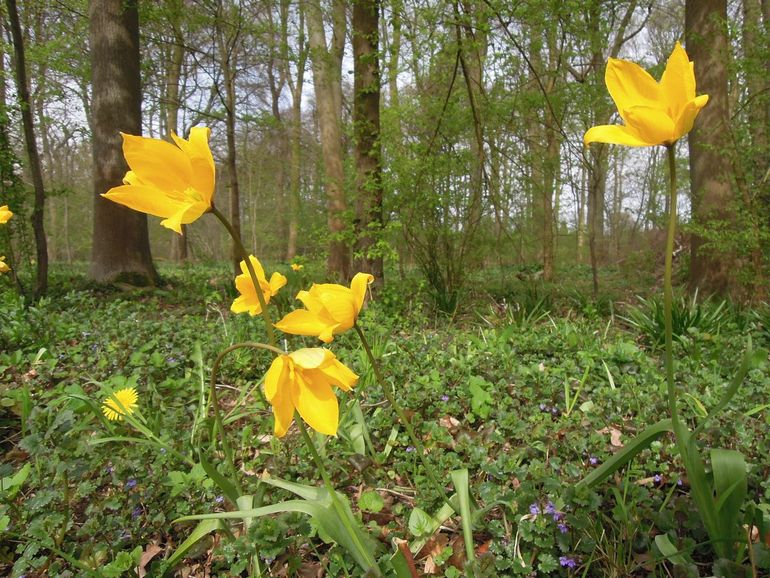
(121, 246)
(366, 127)
(22, 88)
(712, 267)
(327, 84)
(173, 74)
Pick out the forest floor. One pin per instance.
(530, 388)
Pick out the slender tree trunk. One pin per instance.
(22, 88)
(366, 127)
(712, 267)
(173, 74)
(121, 246)
(327, 84)
(227, 59)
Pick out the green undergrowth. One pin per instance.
(529, 387)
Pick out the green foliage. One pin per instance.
(691, 319)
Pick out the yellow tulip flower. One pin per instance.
(4, 268)
(175, 182)
(302, 381)
(122, 402)
(248, 301)
(329, 309)
(654, 113)
(5, 214)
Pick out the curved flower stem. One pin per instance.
(257, 287)
(420, 449)
(333, 494)
(215, 402)
(668, 299)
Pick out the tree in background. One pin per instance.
(22, 88)
(712, 266)
(366, 129)
(121, 246)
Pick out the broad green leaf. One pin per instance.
(421, 523)
(371, 501)
(626, 454)
(400, 565)
(671, 552)
(729, 468)
(12, 484)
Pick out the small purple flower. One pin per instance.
(534, 509)
(543, 407)
(137, 512)
(557, 516)
(131, 483)
(219, 499)
(567, 562)
(563, 528)
(109, 470)
(593, 460)
(445, 397)
(550, 507)
(554, 411)
(409, 449)
(679, 482)
(657, 478)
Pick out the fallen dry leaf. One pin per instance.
(150, 552)
(614, 436)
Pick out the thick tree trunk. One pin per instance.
(22, 88)
(121, 246)
(711, 268)
(366, 127)
(327, 84)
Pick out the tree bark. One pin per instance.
(328, 92)
(121, 246)
(366, 126)
(35, 169)
(711, 267)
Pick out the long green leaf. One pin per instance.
(227, 487)
(203, 528)
(671, 552)
(460, 481)
(625, 455)
(730, 483)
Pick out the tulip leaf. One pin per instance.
(227, 487)
(203, 528)
(627, 453)
(460, 481)
(729, 468)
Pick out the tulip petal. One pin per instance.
(145, 199)
(687, 117)
(340, 375)
(302, 322)
(276, 282)
(316, 403)
(651, 124)
(358, 286)
(276, 377)
(612, 134)
(157, 163)
(310, 357)
(201, 160)
(338, 302)
(187, 214)
(630, 85)
(678, 81)
(258, 270)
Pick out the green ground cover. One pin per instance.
(530, 387)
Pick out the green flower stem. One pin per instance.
(420, 449)
(333, 494)
(257, 287)
(668, 298)
(215, 402)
